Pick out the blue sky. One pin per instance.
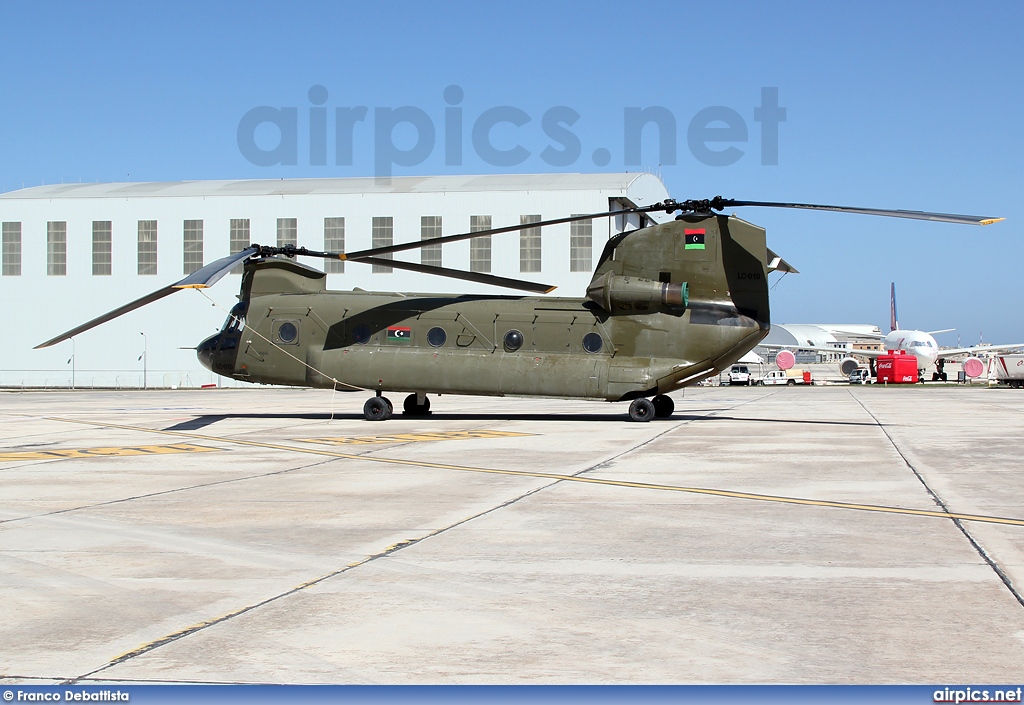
(913, 105)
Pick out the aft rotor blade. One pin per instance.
(668, 206)
(721, 203)
(200, 279)
(478, 277)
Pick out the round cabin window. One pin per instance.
(287, 332)
(513, 340)
(592, 342)
(361, 334)
(436, 336)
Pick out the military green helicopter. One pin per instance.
(668, 305)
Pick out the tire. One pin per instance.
(791, 381)
(663, 406)
(411, 408)
(641, 410)
(376, 409)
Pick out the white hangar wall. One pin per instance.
(40, 303)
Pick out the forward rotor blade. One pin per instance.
(720, 203)
(109, 316)
(212, 273)
(200, 279)
(478, 277)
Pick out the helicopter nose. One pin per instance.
(206, 351)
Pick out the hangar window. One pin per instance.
(383, 235)
(56, 248)
(334, 241)
(529, 245)
(480, 247)
(101, 248)
(287, 232)
(11, 250)
(430, 228)
(147, 247)
(581, 258)
(193, 246)
(239, 239)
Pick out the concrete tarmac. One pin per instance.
(760, 535)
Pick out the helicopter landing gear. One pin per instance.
(641, 409)
(415, 406)
(663, 406)
(377, 409)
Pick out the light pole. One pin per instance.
(71, 361)
(144, 358)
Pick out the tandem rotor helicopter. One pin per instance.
(668, 305)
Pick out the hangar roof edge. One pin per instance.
(352, 185)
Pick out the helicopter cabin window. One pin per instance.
(101, 248)
(239, 239)
(430, 228)
(513, 340)
(147, 247)
(480, 247)
(334, 241)
(192, 249)
(56, 248)
(581, 258)
(11, 250)
(382, 235)
(436, 336)
(529, 245)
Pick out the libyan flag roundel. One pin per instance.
(695, 239)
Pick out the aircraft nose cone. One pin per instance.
(206, 350)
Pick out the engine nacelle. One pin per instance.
(974, 367)
(848, 365)
(614, 292)
(785, 359)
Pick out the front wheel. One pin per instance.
(641, 410)
(376, 409)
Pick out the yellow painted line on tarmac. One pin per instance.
(113, 452)
(414, 437)
(570, 478)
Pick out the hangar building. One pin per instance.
(74, 251)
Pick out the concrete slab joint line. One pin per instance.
(957, 519)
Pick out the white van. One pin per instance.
(739, 374)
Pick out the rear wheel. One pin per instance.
(792, 381)
(411, 408)
(641, 410)
(663, 406)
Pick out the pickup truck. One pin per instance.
(861, 376)
(789, 376)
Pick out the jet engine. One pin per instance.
(848, 365)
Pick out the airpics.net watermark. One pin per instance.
(715, 135)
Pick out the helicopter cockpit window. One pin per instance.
(513, 340)
(236, 318)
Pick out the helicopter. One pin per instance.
(668, 305)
